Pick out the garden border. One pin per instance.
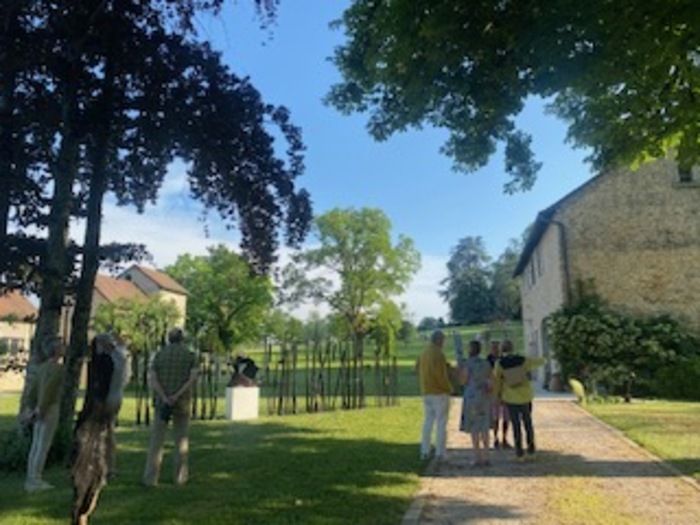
(661, 462)
(420, 498)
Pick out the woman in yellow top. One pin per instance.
(513, 387)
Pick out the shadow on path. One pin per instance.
(552, 464)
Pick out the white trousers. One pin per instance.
(435, 409)
(42, 437)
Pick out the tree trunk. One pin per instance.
(55, 267)
(78, 347)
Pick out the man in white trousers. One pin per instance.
(435, 388)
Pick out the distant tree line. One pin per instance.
(478, 289)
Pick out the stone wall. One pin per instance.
(542, 292)
(636, 237)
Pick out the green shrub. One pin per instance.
(15, 444)
(679, 382)
(14, 449)
(613, 353)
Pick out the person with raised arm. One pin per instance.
(514, 388)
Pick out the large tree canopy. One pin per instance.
(361, 268)
(227, 303)
(100, 96)
(624, 74)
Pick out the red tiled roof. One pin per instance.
(163, 280)
(14, 304)
(115, 289)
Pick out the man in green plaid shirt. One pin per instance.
(172, 374)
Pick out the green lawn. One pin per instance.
(669, 429)
(337, 467)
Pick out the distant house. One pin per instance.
(153, 282)
(633, 236)
(17, 317)
(136, 283)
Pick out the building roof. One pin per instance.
(162, 280)
(542, 222)
(14, 304)
(117, 289)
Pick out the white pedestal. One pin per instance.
(242, 402)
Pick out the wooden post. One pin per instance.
(294, 378)
(307, 391)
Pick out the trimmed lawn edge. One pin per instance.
(653, 457)
(420, 498)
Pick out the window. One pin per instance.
(533, 277)
(10, 345)
(538, 259)
(688, 177)
(534, 343)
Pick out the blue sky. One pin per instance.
(405, 176)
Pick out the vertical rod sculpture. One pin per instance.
(294, 378)
(306, 377)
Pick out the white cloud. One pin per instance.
(168, 230)
(166, 234)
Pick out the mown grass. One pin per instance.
(338, 467)
(579, 501)
(669, 429)
(335, 467)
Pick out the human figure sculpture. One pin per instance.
(94, 440)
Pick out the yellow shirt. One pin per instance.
(432, 372)
(521, 394)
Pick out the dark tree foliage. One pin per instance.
(25, 134)
(428, 323)
(467, 284)
(622, 73)
(505, 290)
(112, 92)
(480, 290)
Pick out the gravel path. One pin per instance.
(585, 472)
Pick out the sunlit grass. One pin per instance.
(336, 467)
(669, 429)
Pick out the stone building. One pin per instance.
(631, 236)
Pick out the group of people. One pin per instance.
(496, 391)
(172, 374)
